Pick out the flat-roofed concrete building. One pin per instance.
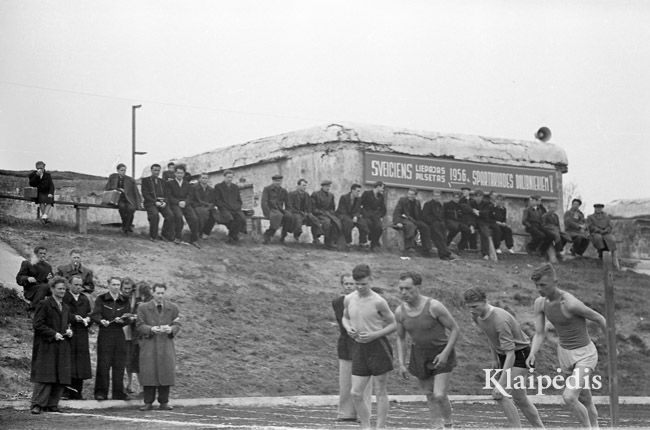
(348, 153)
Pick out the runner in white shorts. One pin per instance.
(576, 352)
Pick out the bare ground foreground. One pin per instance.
(257, 320)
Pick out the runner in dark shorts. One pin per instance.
(510, 347)
(372, 359)
(520, 358)
(427, 322)
(368, 320)
(421, 361)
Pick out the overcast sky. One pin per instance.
(217, 73)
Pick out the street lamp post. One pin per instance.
(133, 151)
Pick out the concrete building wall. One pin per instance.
(342, 164)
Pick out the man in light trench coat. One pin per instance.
(158, 325)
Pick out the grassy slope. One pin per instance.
(257, 319)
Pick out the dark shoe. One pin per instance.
(35, 410)
(196, 245)
(100, 397)
(153, 239)
(177, 241)
(53, 409)
(165, 407)
(266, 239)
(146, 407)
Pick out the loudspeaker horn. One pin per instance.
(543, 134)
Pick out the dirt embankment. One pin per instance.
(257, 319)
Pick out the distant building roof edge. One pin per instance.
(383, 138)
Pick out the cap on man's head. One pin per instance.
(576, 200)
(478, 193)
(599, 205)
(40, 165)
(326, 182)
(465, 188)
(536, 197)
(276, 177)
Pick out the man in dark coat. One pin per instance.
(155, 203)
(324, 208)
(434, 216)
(34, 275)
(576, 227)
(202, 201)
(551, 225)
(228, 200)
(468, 215)
(76, 268)
(407, 216)
(130, 199)
(532, 220)
(299, 212)
(108, 314)
(274, 201)
(79, 306)
(51, 350)
(503, 230)
(485, 221)
(349, 212)
(177, 193)
(373, 210)
(42, 181)
(600, 227)
(454, 221)
(157, 324)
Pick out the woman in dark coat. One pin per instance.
(42, 181)
(80, 308)
(51, 350)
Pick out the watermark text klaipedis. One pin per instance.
(539, 382)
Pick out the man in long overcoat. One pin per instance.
(227, 197)
(324, 209)
(600, 228)
(157, 324)
(79, 306)
(51, 351)
(274, 201)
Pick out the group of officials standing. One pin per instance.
(365, 354)
(136, 333)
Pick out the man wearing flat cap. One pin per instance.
(274, 201)
(576, 227)
(600, 228)
(324, 209)
(42, 181)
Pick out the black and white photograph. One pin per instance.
(324, 214)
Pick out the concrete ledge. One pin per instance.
(306, 401)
